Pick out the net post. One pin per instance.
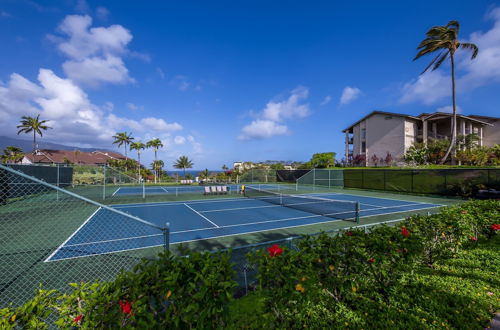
(166, 236)
(104, 182)
(357, 213)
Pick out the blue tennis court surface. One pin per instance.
(205, 219)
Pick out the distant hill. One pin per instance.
(27, 145)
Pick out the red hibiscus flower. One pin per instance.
(495, 227)
(472, 238)
(275, 250)
(126, 307)
(78, 318)
(371, 260)
(405, 232)
(349, 233)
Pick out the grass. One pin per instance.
(462, 292)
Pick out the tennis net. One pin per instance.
(337, 209)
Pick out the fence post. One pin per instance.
(314, 179)
(166, 236)
(143, 189)
(57, 192)
(357, 213)
(329, 178)
(104, 182)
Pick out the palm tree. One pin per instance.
(12, 153)
(444, 39)
(138, 146)
(183, 162)
(155, 144)
(157, 166)
(35, 125)
(204, 174)
(123, 139)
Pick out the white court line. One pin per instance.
(116, 191)
(164, 189)
(191, 201)
(115, 240)
(71, 236)
(252, 232)
(201, 215)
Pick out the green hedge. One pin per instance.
(438, 271)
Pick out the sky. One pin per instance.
(226, 81)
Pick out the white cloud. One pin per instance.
(102, 13)
(160, 73)
(71, 114)
(179, 139)
(349, 94)
(428, 88)
(261, 129)
(95, 54)
(449, 108)
(432, 87)
(289, 108)
(197, 148)
(181, 83)
(134, 107)
(326, 100)
(270, 119)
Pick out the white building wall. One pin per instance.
(411, 132)
(491, 134)
(385, 133)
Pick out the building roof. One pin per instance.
(81, 157)
(377, 112)
(424, 116)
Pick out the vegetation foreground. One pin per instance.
(438, 271)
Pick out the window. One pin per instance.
(363, 146)
(363, 133)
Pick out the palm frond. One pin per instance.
(441, 60)
(471, 46)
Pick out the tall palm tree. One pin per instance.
(157, 167)
(204, 174)
(11, 153)
(123, 139)
(444, 39)
(32, 124)
(183, 162)
(138, 146)
(155, 144)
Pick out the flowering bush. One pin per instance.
(191, 292)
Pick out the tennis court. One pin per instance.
(205, 219)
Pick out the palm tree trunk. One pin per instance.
(453, 117)
(139, 164)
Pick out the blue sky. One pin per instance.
(224, 81)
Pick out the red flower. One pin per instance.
(472, 238)
(495, 227)
(275, 250)
(371, 260)
(349, 233)
(405, 232)
(78, 318)
(125, 307)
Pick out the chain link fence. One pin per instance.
(322, 178)
(258, 175)
(52, 236)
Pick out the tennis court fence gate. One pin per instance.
(39, 244)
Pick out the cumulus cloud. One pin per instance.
(69, 110)
(261, 129)
(95, 53)
(134, 107)
(349, 94)
(433, 86)
(326, 100)
(270, 119)
(197, 148)
(179, 139)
